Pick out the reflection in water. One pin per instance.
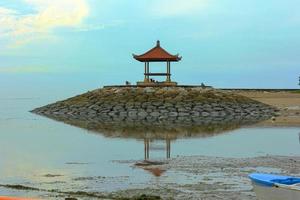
(151, 166)
(154, 131)
(151, 145)
(159, 129)
(156, 171)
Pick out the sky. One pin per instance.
(89, 43)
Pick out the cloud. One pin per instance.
(46, 16)
(168, 8)
(7, 21)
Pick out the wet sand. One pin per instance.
(217, 178)
(287, 102)
(201, 177)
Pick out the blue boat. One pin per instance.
(275, 187)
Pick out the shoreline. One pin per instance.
(220, 178)
(202, 177)
(287, 102)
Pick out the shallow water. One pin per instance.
(44, 153)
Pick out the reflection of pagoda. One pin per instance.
(152, 144)
(153, 131)
(149, 144)
(155, 171)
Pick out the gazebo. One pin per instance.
(157, 54)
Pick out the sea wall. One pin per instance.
(177, 104)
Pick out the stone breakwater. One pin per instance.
(176, 104)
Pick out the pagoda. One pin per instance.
(157, 54)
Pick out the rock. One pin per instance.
(173, 114)
(205, 114)
(155, 114)
(113, 113)
(214, 114)
(149, 90)
(168, 105)
(142, 114)
(222, 114)
(146, 104)
(195, 113)
(132, 113)
(118, 108)
(149, 110)
(218, 108)
(104, 110)
(182, 110)
(163, 111)
(157, 103)
(124, 113)
(182, 114)
(138, 104)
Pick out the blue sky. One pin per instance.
(228, 43)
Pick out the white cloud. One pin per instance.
(7, 20)
(47, 15)
(166, 8)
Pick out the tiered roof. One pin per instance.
(157, 54)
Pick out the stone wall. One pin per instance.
(152, 104)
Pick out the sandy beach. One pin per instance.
(287, 102)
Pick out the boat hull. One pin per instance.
(275, 193)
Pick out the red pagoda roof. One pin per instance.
(157, 54)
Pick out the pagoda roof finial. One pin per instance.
(158, 43)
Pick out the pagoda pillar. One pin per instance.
(148, 71)
(168, 148)
(168, 72)
(145, 79)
